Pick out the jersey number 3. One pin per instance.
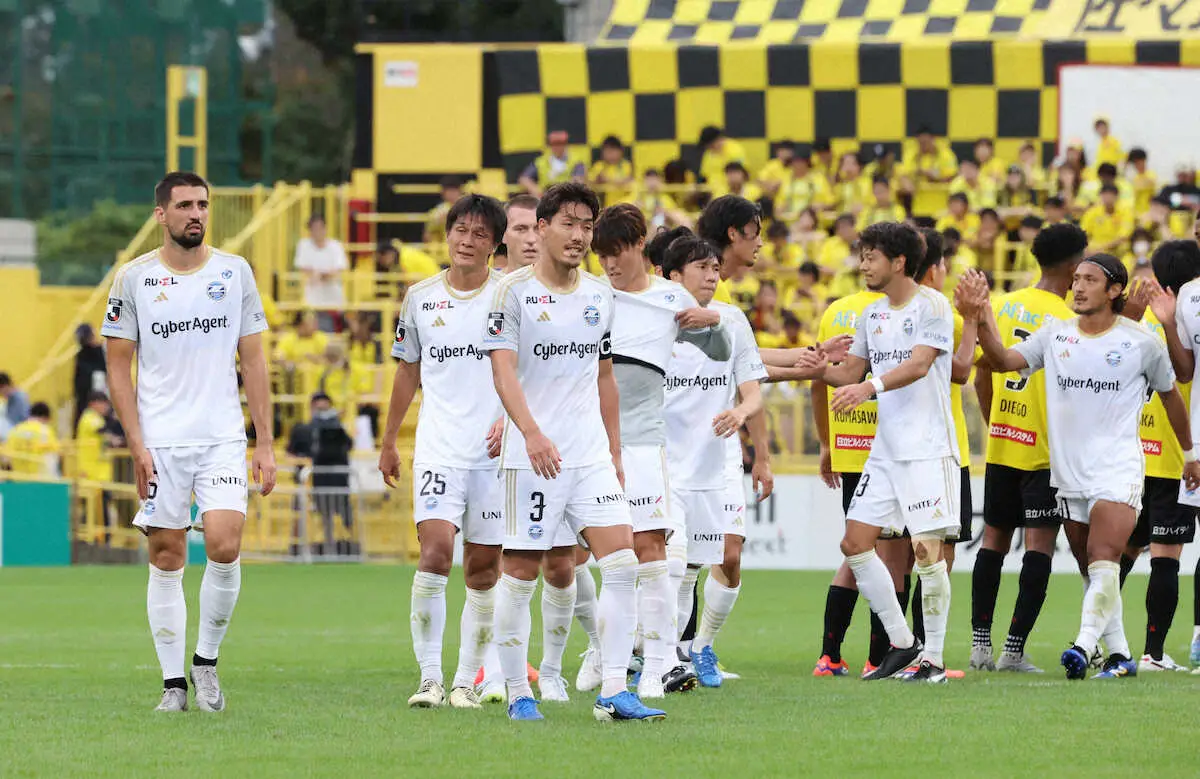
(1016, 385)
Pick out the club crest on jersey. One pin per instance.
(535, 532)
(908, 326)
(113, 314)
(1113, 358)
(227, 274)
(591, 315)
(495, 323)
(216, 290)
(431, 503)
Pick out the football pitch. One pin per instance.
(318, 666)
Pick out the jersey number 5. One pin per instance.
(1016, 385)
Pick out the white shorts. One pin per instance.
(535, 508)
(216, 473)
(1077, 506)
(646, 488)
(920, 495)
(735, 503)
(701, 514)
(471, 499)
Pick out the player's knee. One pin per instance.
(481, 578)
(436, 558)
(559, 569)
(223, 550)
(650, 546)
(853, 546)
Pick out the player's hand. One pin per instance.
(1138, 299)
(143, 471)
(761, 478)
(698, 318)
(1162, 303)
(812, 362)
(727, 423)
(620, 467)
(971, 294)
(543, 456)
(1191, 476)
(832, 479)
(495, 438)
(389, 464)
(262, 466)
(837, 348)
(851, 396)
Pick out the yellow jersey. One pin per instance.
(91, 458)
(723, 295)
(1110, 151)
(797, 194)
(941, 162)
(790, 257)
(611, 192)
(712, 165)
(1145, 187)
(1160, 447)
(29, 447)
(833, 256)
(850, 432)
(1103, 227)
(967, 226)
(877, 214)
(435, 223)
(1017, 426)
(956, 400)
(982, 195)
(291, 347)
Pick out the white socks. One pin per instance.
(718, 603)
(218, 595)
(935, 606)
(656, 614)
(512, 633)
(558, 606)
(676, 570)
(585, 604)
(618, 618)
(167, 611)
(1100, 602)
(475, 634)
(687, 591)
(428, 623)
(875, 584)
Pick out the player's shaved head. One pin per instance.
(618, 228)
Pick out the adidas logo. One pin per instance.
(161, 297)
(545, 317)
(439, 322)
(657, 514)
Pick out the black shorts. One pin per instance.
(1163, 519)
(1015, 498)
(966, 509)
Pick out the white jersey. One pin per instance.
(645, 329)
(187, 327)
(442, 329)
(697, 390)
(915, 422)
(560, 338)
(1095, 389)
(1187, 324)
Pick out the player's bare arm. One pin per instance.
(1162, 303)
(697, 318)
(848, 371)
(728, 422)
(915, 368)
(119, 359)
(970, 297)
(964, 357)
(257, 384)
(610, 412)
(761, 477)
(543, 454)
(1177, 413)
(983, 389)
(820, 412)
(404, 388)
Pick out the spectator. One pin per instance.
(837, 254)
(299, 351)
(737, 182)
(1109, 150)
(959, 257)
(1106, 175)
(365, 353)
(1143, 180)
(1066, 187)
(852, 192)
(807, 233)
(1108, 223)
(980, 192)
(612, 174)
(557, 164)
(16, 404)
(1055, 210)
(884, 209)
(719, 151)
(803, 189)
(790, 334)
(326, 444)
(435, 221)
(764, 316)
(94, 436)
(1073, 157)
(822, 160)
(90, 369)
(1183, 195)
(343, 382)
(1024, 265)
(959, 216)
(930, 163)
(404, 266)
(807, 297)
(777, 252)
(1035, 174)
(658, 207)
(322, 260)
(32, 447)
(1015, 199)
(883, 163)
(991, 167)
(777, 173)
(1141, 243)
(988, 241)
(1157, 220)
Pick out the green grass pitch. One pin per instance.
(318, 667)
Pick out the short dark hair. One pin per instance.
(895, 240)
(821, 145)
(968, 161)
(811, 268)
(387, 247)
(95, 396)
(521, 201)
(985, 141)
(450, 182)
(881, 180)
(1106, 169)
(723, 213)
(612, 142)
(1160, 200)
(1114, 271)
(960, 197)
(1137, 154)
(951, 234)
(652, 172)
(317, 217)
(39, 410)
(176, 178)
(1054, 202)
(1110, 188)
(844, 219)
(735, 165)
(1176, 263)
(482, 206)
(656, 248)
(619, 227)
(676, 171)
(1059, 244)
(777, 230)
(934, 251)
(710, 134)
(989, 212)
(564, 194)
(1033, 221)
(685, 250)
(790, 319)
(5, 379)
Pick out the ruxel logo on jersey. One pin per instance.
(881, 316)
(1088, 385)
(436, 305)
(533, 300)
(164, 281)
(495, 323)
(1113, 358)
(216, 290)
(858, 443)
(113, 314)
(1014, 434)
(202, 324)
(1152, 448)
(443, 353)
(1066, 339)
(591, 315)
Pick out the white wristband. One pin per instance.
(1189, 456)
(877, 383)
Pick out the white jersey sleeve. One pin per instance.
(407, 343)
(859, 346)
(1187, 318)
(936, 329)
(254, 320)
(503, 330)
(120, 317)
(1033, 349)
(747, 361)
(1156, 364)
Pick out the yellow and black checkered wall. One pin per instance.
(658, 98)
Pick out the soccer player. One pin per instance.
(1017, 491)
(189, 312)
(1179, 313)
(521, 240)
(1164, 524)
(550, 343)
(652, 315)
(911, 478)
(439, 344)
(1099, 369)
